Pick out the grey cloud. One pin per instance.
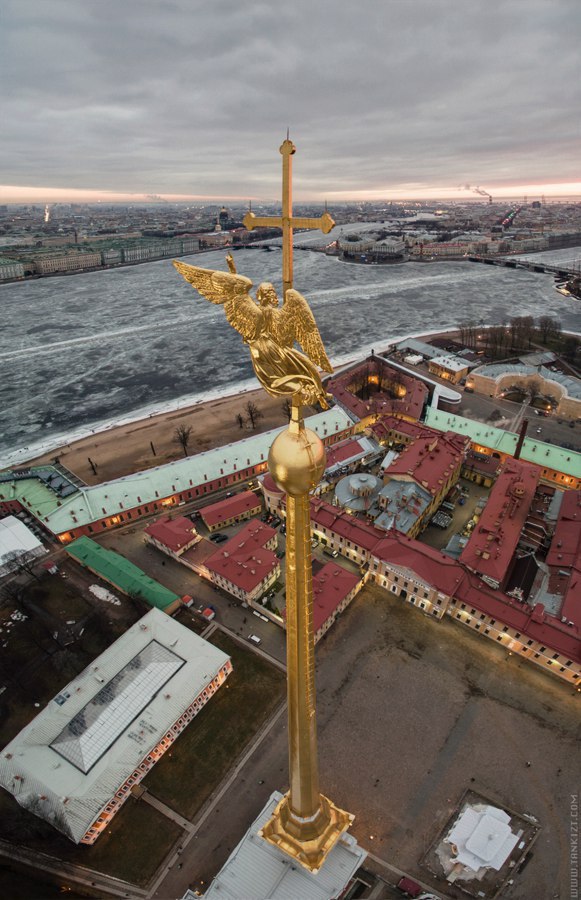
(195, 97)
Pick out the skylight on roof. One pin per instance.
(96, 727)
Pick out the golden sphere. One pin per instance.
(297, 460)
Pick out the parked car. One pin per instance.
(254, 638)
(409, 888)
(218, 537)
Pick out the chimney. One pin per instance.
(521, 437)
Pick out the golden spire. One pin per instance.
(305, 824)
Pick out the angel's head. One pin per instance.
(266, 294)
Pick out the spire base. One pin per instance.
(308, 841)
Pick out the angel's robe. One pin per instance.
(284, 370)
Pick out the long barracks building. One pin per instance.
(69, 510)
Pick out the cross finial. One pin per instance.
(287, 220)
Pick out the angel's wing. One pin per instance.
(294, 321)
(231, 291)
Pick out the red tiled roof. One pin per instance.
(270, 485)
(411, 404)
(387, 424)
(344, 525)
(253, 530)
(564, 557)
(430, 461)
(243, 560)
(330, 586)
(452, 578)
(531, 623)
(565, 548)
(172, 533)
(495, 537)
(230, 508)
(487, 466)
(432, 566)
(345, 450)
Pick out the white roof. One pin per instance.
(67, 764)
(257, 870)
(483, 837)
(453, 363)
(15, 537)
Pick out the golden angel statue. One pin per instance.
(270, 332)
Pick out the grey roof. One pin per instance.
(257, 870)
(406, 502)
(358, 491)
(570, 385)
(419, 347)
(538, 359)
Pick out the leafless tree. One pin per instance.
(534, 387)
(548, 328)
(182, 437)
(15, 561)
(253, 413)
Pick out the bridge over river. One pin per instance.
(564, 270)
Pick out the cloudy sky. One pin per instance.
(383, 98)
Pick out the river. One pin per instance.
(82, 351)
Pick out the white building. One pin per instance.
(74, 765)
(16, 540)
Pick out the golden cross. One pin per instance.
(286, 221)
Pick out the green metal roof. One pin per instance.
(119, 572)
(545, 455)
(89, 504)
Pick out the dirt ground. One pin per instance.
(411, 713)
(127, 448)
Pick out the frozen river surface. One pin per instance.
(80, 351)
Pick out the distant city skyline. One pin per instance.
(38, 195)
(384, 101)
